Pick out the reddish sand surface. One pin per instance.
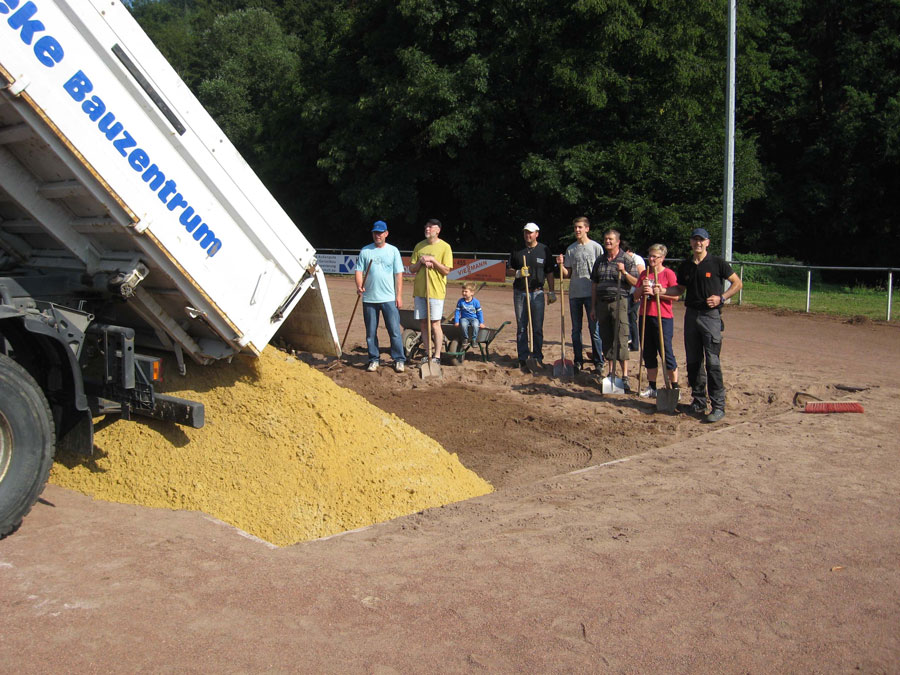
(618, 539)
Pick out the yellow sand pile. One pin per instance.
(285, 454)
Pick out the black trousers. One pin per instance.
(702, 346)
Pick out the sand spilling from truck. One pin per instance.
(286, 455)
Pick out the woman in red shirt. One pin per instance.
(656, 280)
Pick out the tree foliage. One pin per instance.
(490, 113)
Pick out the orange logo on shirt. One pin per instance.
(708, 275)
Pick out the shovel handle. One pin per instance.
(643, 331)
(528, 306)
(562, 319)
(662, 344)
(616, 322)
(428, 338)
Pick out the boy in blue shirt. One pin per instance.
(468, 314)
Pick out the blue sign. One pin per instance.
(348, 266)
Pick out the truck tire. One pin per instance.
(26, 443)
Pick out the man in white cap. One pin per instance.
(383, 292)
(541, 266)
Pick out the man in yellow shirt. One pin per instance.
(431, 262)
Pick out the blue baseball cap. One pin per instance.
(379, 226)
(700, 232)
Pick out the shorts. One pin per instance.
(437, 308)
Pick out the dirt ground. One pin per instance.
(617, 540)
(513, 428)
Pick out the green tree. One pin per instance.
(828, 115)
(481, 112)
(494, 113)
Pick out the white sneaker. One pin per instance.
(372, 367)
(399, 367)
(649, 392)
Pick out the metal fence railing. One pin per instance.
(808, 270)
(809, 273)
(493, 255)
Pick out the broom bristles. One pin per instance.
(833, 407)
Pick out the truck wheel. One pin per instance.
(26, 443)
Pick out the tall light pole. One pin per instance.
(728, 191)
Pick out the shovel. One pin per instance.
(530, 363)
(429, 368)
(562, 368)
(612, 384)
(666, 399)
(644, 301)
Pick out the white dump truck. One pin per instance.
(129, 227)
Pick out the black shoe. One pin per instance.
(714, 416)
(697, 407)
(523, 366)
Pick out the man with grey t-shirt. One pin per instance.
(577, 264)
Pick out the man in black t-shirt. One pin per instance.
(703, 276)
(541, 265)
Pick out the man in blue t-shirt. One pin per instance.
(380, 265)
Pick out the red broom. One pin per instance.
(833, 407)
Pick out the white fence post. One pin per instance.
(890, 292)
(741, 292)
(808, 286)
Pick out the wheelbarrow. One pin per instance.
(412, 334)
(453, 347)
(456, 350)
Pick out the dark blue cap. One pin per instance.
(700, 232)
(379, 226)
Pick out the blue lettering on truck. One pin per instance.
(78, 87)
(49, 52)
